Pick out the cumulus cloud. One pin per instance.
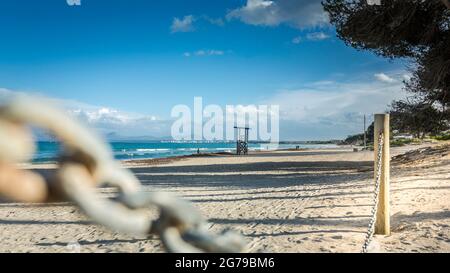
(296, 13)
(183, 25)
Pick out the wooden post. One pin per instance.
(382, 225)
(365, 137)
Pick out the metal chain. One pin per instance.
(86, 164)
(373, 218)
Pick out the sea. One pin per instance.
(48, 151)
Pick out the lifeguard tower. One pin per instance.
(242, 140)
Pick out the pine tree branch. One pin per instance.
(446, 3)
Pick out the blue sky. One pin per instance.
(117, 62)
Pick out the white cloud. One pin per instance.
(384, 78)
(297, 40)
(186, 24)
(313, 36)
(329, 109)
(201, 53)
(406, 77)
(183, 25)
(296, 13)
(319, 110)
(106, 120)
(318, 102)
(214, 21)
(317, 36)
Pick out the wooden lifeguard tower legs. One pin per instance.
(242, 140)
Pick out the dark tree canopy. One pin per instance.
(416, 117)
(359, 138)
(396, 28)
(431, 79)
(414, 29)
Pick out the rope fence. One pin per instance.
(373, 217)
(380, 214)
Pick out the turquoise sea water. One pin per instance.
(47, 151)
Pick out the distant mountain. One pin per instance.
(41, 135)
(113, 136)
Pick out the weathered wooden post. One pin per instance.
(382, 225)
(365, 133)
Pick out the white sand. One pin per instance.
(302, 201)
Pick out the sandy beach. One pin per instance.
(282, 201)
